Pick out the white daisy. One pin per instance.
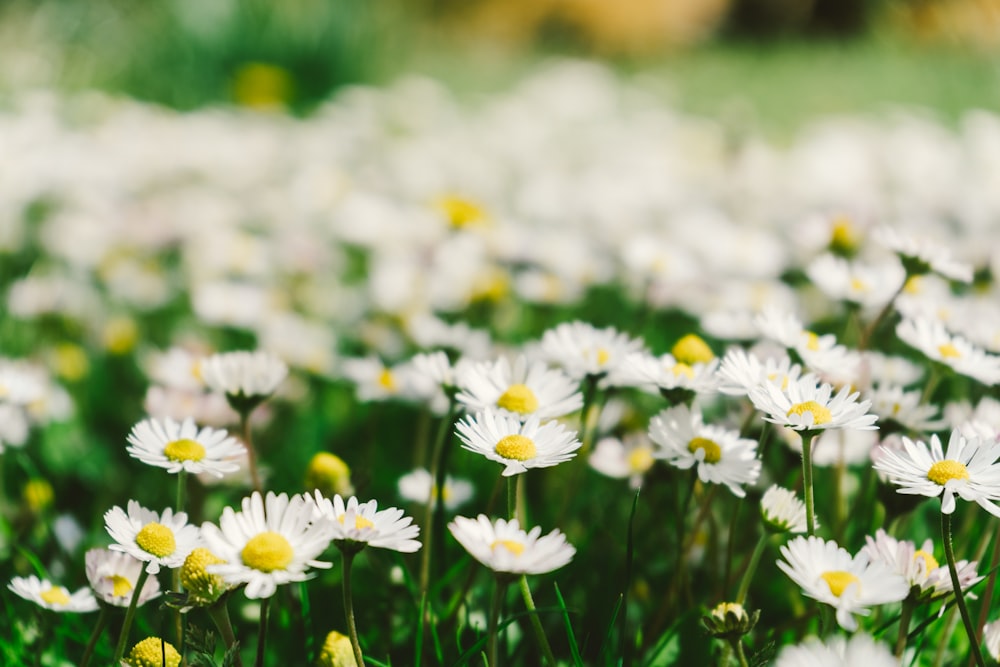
(928, 579)
(666, 375)
(504, 547)
(246, 378)
(865, 285)
(782, 511)
(741, 371)
(630, 457)
(991, 638)
(159, 540)
(820, 353)
(837, 651)
(183, 446)
(721, 456)
(113, 576)
(418, 487)
(893, 403)
(828, 573)
(584, 350)
(807, 406)
(920, 255)
(519, 446)
(376, 381)
(269, 542)
(932, 339)
(968, 468)
(883, 369)
(357, 524)
(50, 596)
(521, 390)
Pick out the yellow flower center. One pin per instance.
(680, 369)
(513, 547)
(157, 539)
(949, 351)
(602, 356)
(360, 522)
(821, 415)
(845, 236)
(517, 447)
(943, 471)
(812, 341)
(859, 285)
(56, 595)
(692, 349)
(197, 580)
(913, 285)
(930, 563)
(784, 379)
(150, 652)
(267, 552)
(713, 453)
(120, 586)
(838, 581)
(184, 450)
(460, 212)
(640, 460)
(386, 380)
(518, 398)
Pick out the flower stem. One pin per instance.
(991, 583)
(130, 615)
(737, 645)
(265, 608)
(251, 454)
(352, 628)
(102, 622)
(512, 498)
(807, 480)
(491, 638)
(437, 474)
(949, 552)
(905, 614)
(758, 551)
(219, 613)
(536, 623)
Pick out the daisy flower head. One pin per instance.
(806, 405)
(677, 381)
(113, 576)
(782, 511)
(930, 337)
(837, 651)
(721, 456)
(631, 457)
(820, 353)
(864, 285)
(376, 381)
(520, 390)
(271, 541)
(968, 468)
(828, 573)
(991, 637)
(203, 587)
(175, 446)
(504, 547)
(741, 371)
(354, 525)
(160, 540)
(153, 652)
(928, 579)
(584, 350)
(50, 596)
(418, 487)
(518, 446)
(246, 378)
(921, 255)
(892, 402)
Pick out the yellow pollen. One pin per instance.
(821, 415)
(859, 285)
(949, 351)
(156, 539)
(692, 349)
(913, 285)
(943, 471)
(184, 450)
(120, 586)
(680, 369)
(360, 522)
(267, 552)
(518, 398)
(513, 547)
(812, 341)
(602, 356)
(150, 652)
(930, 563)
(640, 460)
(896, 408)
(196, 371)
(838, 581)
(713, 453)
(460, 212)
(386, 380)
(517, 447)
(56, 595)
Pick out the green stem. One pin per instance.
(737, 645)
(868, 333)
(905, 614)
(130, 615)
(352, 628)
(758, 551)
(807, 480)
(949, 552)
(219, 613)
(990, 584)
(175, 575)
(536, 623)
(102, 622)
(307, 625)
(437, 474)
(265, 608)
(251, 454)
(512, 498)
(491, 638)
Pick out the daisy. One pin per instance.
(893, 403)
(782, 511)
(666, 375)
(504, 547)
(807, 406)
(518, 446)
(920, 255)
(153, 652)
(337, 651)
(968, 468)
(266, 549)
(928, 579)
(820, 353)
(630, 457)
(418, 487)
(584, 350)
(828, 573)
(721, 456)
(246, 378)
(50, 596)
(837, 651)
(865, 285)
(113, 576)
(159, 540)
(741, 371)
(932, 339)
(183, 446)
(521, 390)
(991, 637)
(376, 381)
(355, 525)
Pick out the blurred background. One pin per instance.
(775, 61)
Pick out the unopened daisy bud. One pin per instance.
(150, 652)
(328, 474)
(38, 495)
(691, 350)
(337, 651)
(203, 587)
(729, 620)
(782, 511)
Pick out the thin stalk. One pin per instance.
(512, 497)
(905, 614)
(251, 453)
(866, 336)
(307, 624)
(265, 608)
(175, 574)
(437, 475)
(219, 613)
(102, 622)
(536, 623)
(130, 615)
(491, 638)
(949, 552)
(758, 551)
(807, 480)
(730, 546)
(990, 585)
(352, 628)
(737, 645)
